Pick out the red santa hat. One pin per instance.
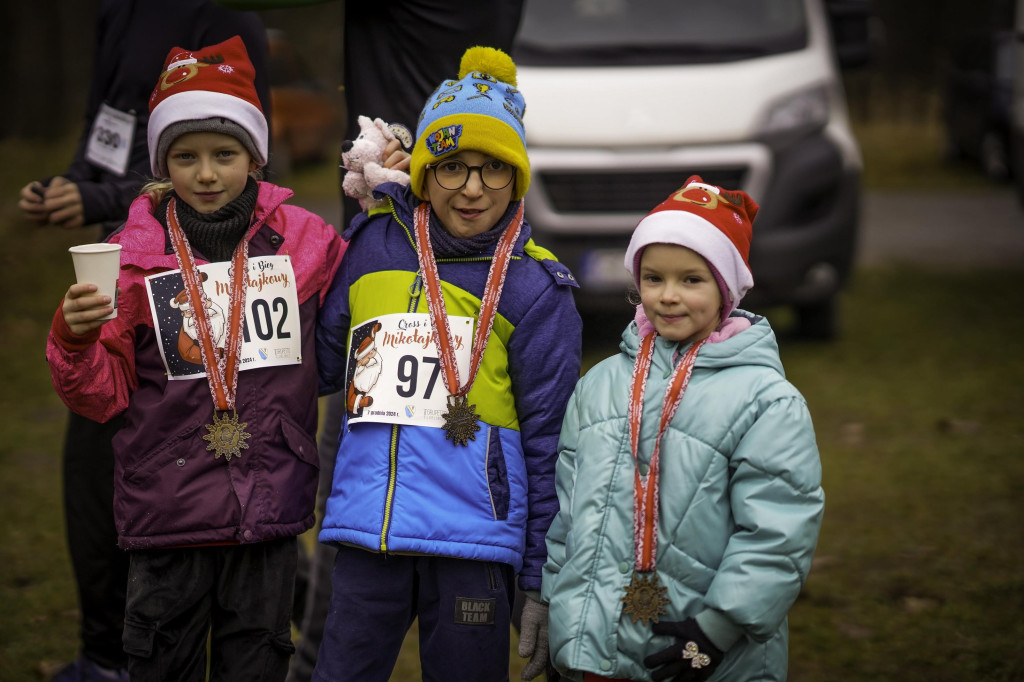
(711, 221)
(207, 90)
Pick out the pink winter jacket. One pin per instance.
(169, 489)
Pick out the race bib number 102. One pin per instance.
(272, 334)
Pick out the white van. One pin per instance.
(625, 99)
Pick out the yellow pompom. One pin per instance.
(489, 60)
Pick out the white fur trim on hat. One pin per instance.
(683, 228)
(202, 104)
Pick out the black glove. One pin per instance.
(691, 659)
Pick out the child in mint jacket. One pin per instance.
(688, 479)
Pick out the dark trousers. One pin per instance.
(100, 567)
(239, 595)
(464, 609)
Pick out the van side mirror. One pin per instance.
(849, 24)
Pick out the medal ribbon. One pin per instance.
(645, 488)
(488, 304)
(222, 370)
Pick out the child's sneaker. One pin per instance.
(84, 670)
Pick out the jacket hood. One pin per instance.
(756, 345)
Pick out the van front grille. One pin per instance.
(625, 191)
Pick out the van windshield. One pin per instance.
(620, 32)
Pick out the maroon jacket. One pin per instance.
(169, 490)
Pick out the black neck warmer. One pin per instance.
(214, 235)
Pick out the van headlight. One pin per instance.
(796, 113)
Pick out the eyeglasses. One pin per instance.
(454, 174)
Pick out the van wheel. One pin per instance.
(818, 321)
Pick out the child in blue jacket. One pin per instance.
(456, 342)
(688, 477)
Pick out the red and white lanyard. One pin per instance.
(645, 488)
(221, 369)
(488, 304)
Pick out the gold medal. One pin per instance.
(460, 421)
(227, 436)
(645, 598)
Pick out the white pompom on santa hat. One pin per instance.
(207, 90)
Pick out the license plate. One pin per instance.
(603, 269)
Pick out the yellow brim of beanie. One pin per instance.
(480, 133)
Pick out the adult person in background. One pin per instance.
(110, 165)
(395, 53)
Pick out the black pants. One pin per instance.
(101, 569)
(239, 595)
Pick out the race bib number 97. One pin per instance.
(394, 375)
(272, 333)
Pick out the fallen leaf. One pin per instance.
(919, 604)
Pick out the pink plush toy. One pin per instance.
(362, 158)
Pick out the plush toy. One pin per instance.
(362, 158)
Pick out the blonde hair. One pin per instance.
(156, 189)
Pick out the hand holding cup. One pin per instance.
(85, 309)
(93, 299)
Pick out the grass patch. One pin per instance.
(903, 156)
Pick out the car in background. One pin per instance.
(626, 100)
(305, 116)
(977, 102)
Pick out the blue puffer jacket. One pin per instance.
(407, 489)
(740, 509)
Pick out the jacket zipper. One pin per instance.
(389, 500)
(415, 290)
(414, 293)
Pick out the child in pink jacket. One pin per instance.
(211, 360)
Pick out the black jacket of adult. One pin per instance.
(133, 38)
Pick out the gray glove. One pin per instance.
(533, 638)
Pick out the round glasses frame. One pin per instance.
(467, 170)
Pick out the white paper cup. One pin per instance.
(99, 264)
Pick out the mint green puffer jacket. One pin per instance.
(741, 506)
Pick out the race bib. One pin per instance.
(272, 333)
(394, 375)
(110, 142)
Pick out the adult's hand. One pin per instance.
(63, 202)
(30, 201)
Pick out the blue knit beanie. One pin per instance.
(481, 111)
